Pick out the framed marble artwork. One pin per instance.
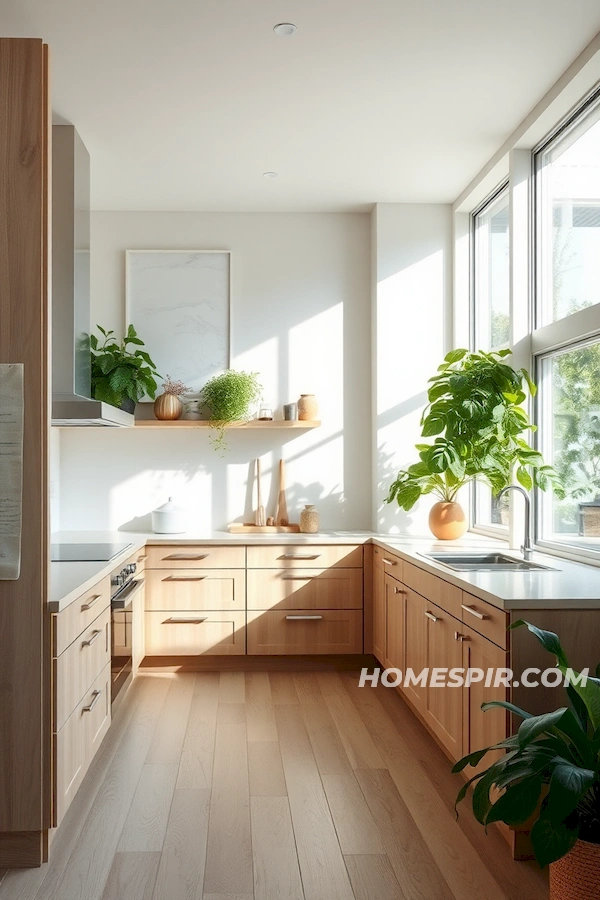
(11, 469)
(178, 301)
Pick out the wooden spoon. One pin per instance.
(260, 510)
(282, 513)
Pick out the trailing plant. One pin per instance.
(229, 398)
(476, 418)
(176, 388)
(550, 769)
(120, 373)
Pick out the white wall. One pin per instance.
(411, 289)
(300, 303)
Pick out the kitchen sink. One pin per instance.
(485, 562)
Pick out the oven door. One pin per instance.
(122, 636)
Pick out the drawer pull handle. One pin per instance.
(473, 612)
(300, 556)
(142, 558)
(184, 578)
(95, 635)
(95, 698)
(388, 562)
(297, 577)
(191, 556)
(185, 620)
(460, 637)
(398, 590)
(303, 618)
(89, 603)
(431, 616)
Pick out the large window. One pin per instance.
(490, 326)
(567, 215)
(568, 186)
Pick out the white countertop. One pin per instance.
(566, 584)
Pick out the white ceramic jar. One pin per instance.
(169, 519)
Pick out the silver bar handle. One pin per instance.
(297, 577)
(184, 578)
(89, 603)
(124, 597)
(473, 611)
(388, 562)
(460, 637)
(95, 698)
(95, 635)
(431, 616)
(185, 620)
(300, 556)
(303, 618)
(190, 556)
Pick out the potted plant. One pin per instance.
(120, 375)
(229, 398)
(550, 772)
(168, 405)
(477, 423)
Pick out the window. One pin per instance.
(569, 416)
(490, 315)
(568, 219)
(567, 223)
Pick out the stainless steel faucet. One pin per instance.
(526, 549)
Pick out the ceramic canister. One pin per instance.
(169, 519)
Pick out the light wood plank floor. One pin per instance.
(271, 784)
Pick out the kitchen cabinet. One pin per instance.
(443, 705)
(305, 556)
(394, 612)
(195, 633)
(384, 563)
(302, 631)
(416, 647)
(305, 588)
(201, 589)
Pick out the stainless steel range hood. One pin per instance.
(71, 387)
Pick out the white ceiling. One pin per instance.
(183, 104)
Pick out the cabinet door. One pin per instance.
(416, 648)
(181, 589)
(444, 710)
(304, 632)
(305, 589)
(395, 615)
(138, 636)
(379, 615)
(480, 729)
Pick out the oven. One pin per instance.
(124, 587)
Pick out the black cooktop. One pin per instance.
(86, 552)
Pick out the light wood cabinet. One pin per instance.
(138, 634)
(79, 615)
(300, 631)
(195, 557)
(79, 665)
(305, 589)
(195, 633)
(488, 620)
(186, 589)
(379, 614)
(438, 591)
(443, 705)
(305, 556)
(416, 647)
(394, 594)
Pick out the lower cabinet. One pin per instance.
(482, 728)
(301, 631)
(195, 633)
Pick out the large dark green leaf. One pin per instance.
(517, 803)
(548, 639)
(504, 704)
(568, 785)
(536, 725)
(433, 425)
(551, 840)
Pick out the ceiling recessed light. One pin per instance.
(285, 29)
(269, 174)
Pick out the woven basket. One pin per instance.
(577, 875)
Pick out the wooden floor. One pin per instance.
(270, 785)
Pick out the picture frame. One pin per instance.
(179, 303)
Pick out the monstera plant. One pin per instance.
(476, 425)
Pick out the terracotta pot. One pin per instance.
(168, 407)
(577, 875)
(447, 521)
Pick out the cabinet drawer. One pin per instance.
(76, 617)
(178, 589)
(388, 562)
(80, 664)
(305, 556)
(78, 740)
(195, 557)
(488, 620)
(435, 589)
(195, 633)
(305, 589)
(139, 559)
(290, 631)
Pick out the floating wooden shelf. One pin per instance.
(203, 423)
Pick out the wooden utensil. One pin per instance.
(259, 518)
(282, 514)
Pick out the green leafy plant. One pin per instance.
(476, 418)
(119, 373)
(229, 397)
(550, 769)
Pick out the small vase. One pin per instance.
(447, 521)
(308, 408)
(309, 519)
(577, 875)
(168, 407)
